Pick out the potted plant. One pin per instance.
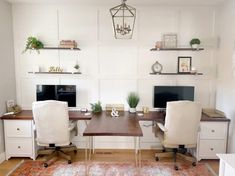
(96, 107)
(194, 43)
(133, 100)
(33, 44)
(76, 67)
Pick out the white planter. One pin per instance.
(132, 110)
(195, 46)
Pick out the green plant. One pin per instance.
(195, 41)
(76, 66)
(96, 107)
(133, 99)
(33, 44)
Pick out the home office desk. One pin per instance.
(126, 124)
(19, 132)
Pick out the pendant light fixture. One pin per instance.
(123, 17)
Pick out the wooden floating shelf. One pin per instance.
(176, 49)
(59, 73)
(60, 48)
(176, 74)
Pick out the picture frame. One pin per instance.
(184, 64)
(169, 40)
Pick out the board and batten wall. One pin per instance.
(225, 56)
(111, 68)
(7, 66)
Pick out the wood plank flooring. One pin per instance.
(102, 155)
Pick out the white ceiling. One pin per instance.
(131, 2)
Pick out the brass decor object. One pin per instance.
(123, 17)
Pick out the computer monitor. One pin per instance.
(57, 92)
(164, 94)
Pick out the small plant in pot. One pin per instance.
(33, 44)
(76, 67)
(133, 100)
(194, 43)
(96, 107)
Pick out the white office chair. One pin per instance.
(53, 129)
(180, 131)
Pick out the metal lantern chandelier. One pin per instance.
(123, 17)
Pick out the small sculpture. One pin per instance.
(55, 69)
(114, 112)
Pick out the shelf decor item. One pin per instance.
(33, 44)
(156, 68)
(158, 45)
(133, 100)
(184, 64)
(193, 70)
(96, 107)
(169, 40)
(195, 42)
(76, 67)
(68, 44)
(123, 17)
(55, 69)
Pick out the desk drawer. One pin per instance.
(20, 147)
(213, 130)
(209, 148)
(18, 128)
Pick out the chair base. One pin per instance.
(52, 152)
(176, 155)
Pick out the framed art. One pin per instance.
(169, 40)
(184, 64)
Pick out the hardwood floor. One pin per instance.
(102, 155)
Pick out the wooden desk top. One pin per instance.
(77, 115)
(27, 115)
(206, 118)
(104, 125)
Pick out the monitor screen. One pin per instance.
(57, 92)
(163, 94)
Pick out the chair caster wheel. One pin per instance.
(157, 158)
(69, 161)
(75, 151)
(45, 165)
(194, 164)
(176, 167)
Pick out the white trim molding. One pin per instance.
(2, 157)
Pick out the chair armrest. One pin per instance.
(161, 127)
(72, 125)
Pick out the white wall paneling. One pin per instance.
(7, 70)
(225, 94)
(111, 68)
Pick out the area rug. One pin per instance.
(60, 168)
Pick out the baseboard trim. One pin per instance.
(2, 157)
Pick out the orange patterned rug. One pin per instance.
(61, 168)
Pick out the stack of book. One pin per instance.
(68, 44)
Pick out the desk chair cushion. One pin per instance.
(52, 123)
(181, 124)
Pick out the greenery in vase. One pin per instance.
(77, 67)
(195, 41)
(33, 44)
(96, 107)
(133, 99)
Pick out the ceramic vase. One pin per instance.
(132, 110)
